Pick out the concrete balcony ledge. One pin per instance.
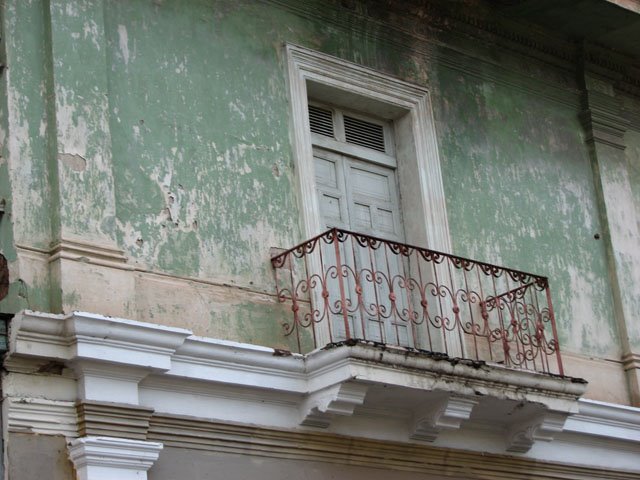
(359, 389)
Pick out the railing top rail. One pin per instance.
(278, 260)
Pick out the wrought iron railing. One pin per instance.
(344, 285)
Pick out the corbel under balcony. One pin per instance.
(444, 413)
(357, 388)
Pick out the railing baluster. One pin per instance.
(391, 295)
(374, 285)
(312, 304)
(443, 325)
(469, 295)
(343, 297)
(325, 294)
(533, 295)
(527, 342)
(455, 309)
(552, 318)
(423, 300)
(358, 281)
(406, 280)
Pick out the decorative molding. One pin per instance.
(41, 416)
(167, 369)
(225, 361)
(87, 336)
(605, 420)
(366, 362)
(603, 118)
(603, 129)
(631, 361)
(446, 413)
(633, 117)
(423, 40)
(308, 65)
(98, 381)
(110, 355)
(269, 390)
(500, 75)
(105, 458)
(340, 399)
(90, 253)
(544, 426)
(320, 446)
(113, 420)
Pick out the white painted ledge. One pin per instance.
(606, 420)
(355, 389)
(110, 355)
(106, 458)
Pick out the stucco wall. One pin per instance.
(191, 113)
(204, 174)
(192, 464)
(33, 457)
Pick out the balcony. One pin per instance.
(349, 287)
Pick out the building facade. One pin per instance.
(289, 238)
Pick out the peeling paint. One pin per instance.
(123, 43)
(75, 162)
(171, 127)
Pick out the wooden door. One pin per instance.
(362, 196)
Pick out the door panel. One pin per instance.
(360, 196)
(330, 185)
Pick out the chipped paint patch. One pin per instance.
(123, 43)
(75, 162)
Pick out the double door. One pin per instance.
(361, 196)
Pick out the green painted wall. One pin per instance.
(27, 183)
(203, 175)
(199, 123)
(520, 192)
(632, 140)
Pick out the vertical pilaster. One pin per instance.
(605, 128)
(88, 271)
(83, 139)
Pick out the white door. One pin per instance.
(361, 196)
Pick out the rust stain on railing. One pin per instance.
(345, 285)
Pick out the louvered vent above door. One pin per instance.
(363, 133)
(321, 121)
(364, 137)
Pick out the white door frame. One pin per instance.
(417, 154)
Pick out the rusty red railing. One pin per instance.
(344, 285)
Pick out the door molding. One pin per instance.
(408, 105)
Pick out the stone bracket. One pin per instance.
(445, 413)
(542, 427)
(340, 399)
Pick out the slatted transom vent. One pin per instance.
(363, 133)
(321, 121)
(333, 123)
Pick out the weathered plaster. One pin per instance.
(200, 200)
(26, 179)
(86, 203)
(171, 143)
(520, 193)
(632, 139)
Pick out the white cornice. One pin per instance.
(606, 420)
(364, 389)
(81, 335)
(36, 415)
